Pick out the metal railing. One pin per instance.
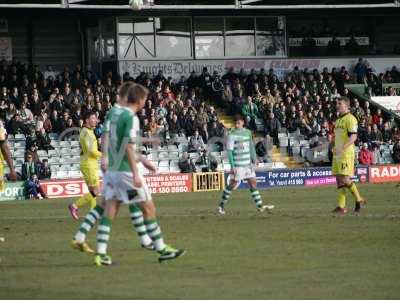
(210, 181)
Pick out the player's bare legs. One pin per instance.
(87, 198)
(345, 183)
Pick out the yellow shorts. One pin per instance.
(2, 182)
(90, 175)
(343, 165)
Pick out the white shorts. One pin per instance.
(119, 186)
(244, 173)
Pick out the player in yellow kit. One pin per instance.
(343, 156)
(5, 155)
(89, 164)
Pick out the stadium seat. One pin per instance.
(173, 155)
(53, 136)
(19, 153)
(283, 141)
(65, 144)
(62, 174)
(55, 143)
(163, 163)
(53, 153)
(19, 137)
(74, 174)
(74, 144)
(182, 147)
(163, 169)
(75, 167)
(19, 144)
(259, 125)
(75, 159)
(65, 151)
(54, 168)
(76, 152)
(172, 148)
(64, 167)
(54, 160)
(163, 155)
(18, 162)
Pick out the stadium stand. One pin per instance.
(296, 111)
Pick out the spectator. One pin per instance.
(207, 162)
(29, 167)
(360, 69)
(31, 139)
(365, 156)
(203, 131)
(33, 188)
(272, 127)
(250, 113)
(44, 170)
(396, 152)
(186, 164)
(196, 142)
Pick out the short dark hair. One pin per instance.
(238, 117)
(345, 99)
(123, 90)
(88, 114)
(137, 92)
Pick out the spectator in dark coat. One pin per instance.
(216, 130)
(272, 127)
(396, 152)
(29, 168)
(33, 188)
(43, 140)
(186, 164)
(44, 170)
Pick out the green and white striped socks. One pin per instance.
(154, 232)
(255, 195)
(103, 235)
(138, 223)
(90, 219)
(225, 196)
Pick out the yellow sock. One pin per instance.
(83, 200)
(354, 191)
(92, 201)
(341, 199)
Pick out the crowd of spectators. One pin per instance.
(38, 103)
(304, 101)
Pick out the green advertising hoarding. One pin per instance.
(13, 191)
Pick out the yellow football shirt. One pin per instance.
(89, 148)
(3, 136)
(344, 127)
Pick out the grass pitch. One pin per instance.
(300, 251)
